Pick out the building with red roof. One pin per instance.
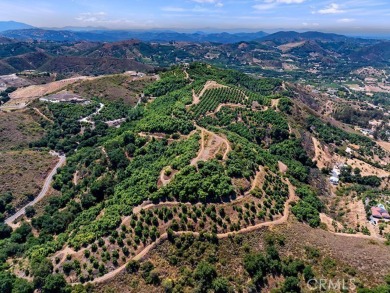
(380, 213)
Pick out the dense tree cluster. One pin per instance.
(350, 175)
(309, 207)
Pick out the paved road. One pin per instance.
(41, 195)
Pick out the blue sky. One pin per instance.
(334, 15)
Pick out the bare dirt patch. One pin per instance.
(23, 96)
(164, 178)
(211, 145)
(275, 104)
(282, 167)
(113, 88)
(322, 155)
(384, 144)
(287, 47)
(331, 224)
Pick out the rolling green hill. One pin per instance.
(209, 154)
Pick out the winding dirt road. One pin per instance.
(163, 237)
(88, 118)
(43, 115)
(201, 155)
(45, 188)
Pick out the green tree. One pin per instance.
(132, 266)
(221, 285)
(205, 273)
(54, 284)
(308, 273)
(30, 211)
(22, 286)
(291, 285)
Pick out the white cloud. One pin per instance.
(310, 24)
(217, 3)
(92, 16)
(346, 20)
(285, 1)
(331, 9)
(206, 1)
(264, 6)
(173, 9)
(269, 4)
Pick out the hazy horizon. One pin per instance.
(360, 17)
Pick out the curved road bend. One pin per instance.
(43, 192)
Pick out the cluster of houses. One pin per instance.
(379, 213)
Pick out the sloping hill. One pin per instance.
(292, 36)
(93, 66)
(378, 52)
(13, 25)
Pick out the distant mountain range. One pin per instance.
(114, 36)
(69, 53)
(13, 25)
(24, 32)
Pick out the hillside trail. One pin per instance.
(186, 74)
(88, 118)
(275, 104)
(149, 205)
(42, 194)
(256, 181)
(286, 213)
(148, 248)
(43, 115)
(228, 146)
(208, 86)
(195, 160)
(219, 139)
(230, 105)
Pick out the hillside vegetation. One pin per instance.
(211, 155)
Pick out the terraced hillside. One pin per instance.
(206, 186)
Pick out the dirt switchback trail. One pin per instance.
(163, 237)
(148, 248)
(213, 145)
(209, 85)
(43, 115)
(230, 105)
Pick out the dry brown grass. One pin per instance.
(114, 88)
(23, 173)
(364, 260)
(17, 129)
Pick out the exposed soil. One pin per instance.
(211, 145)
(164, 179)
(26, 94)
(287, 47)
